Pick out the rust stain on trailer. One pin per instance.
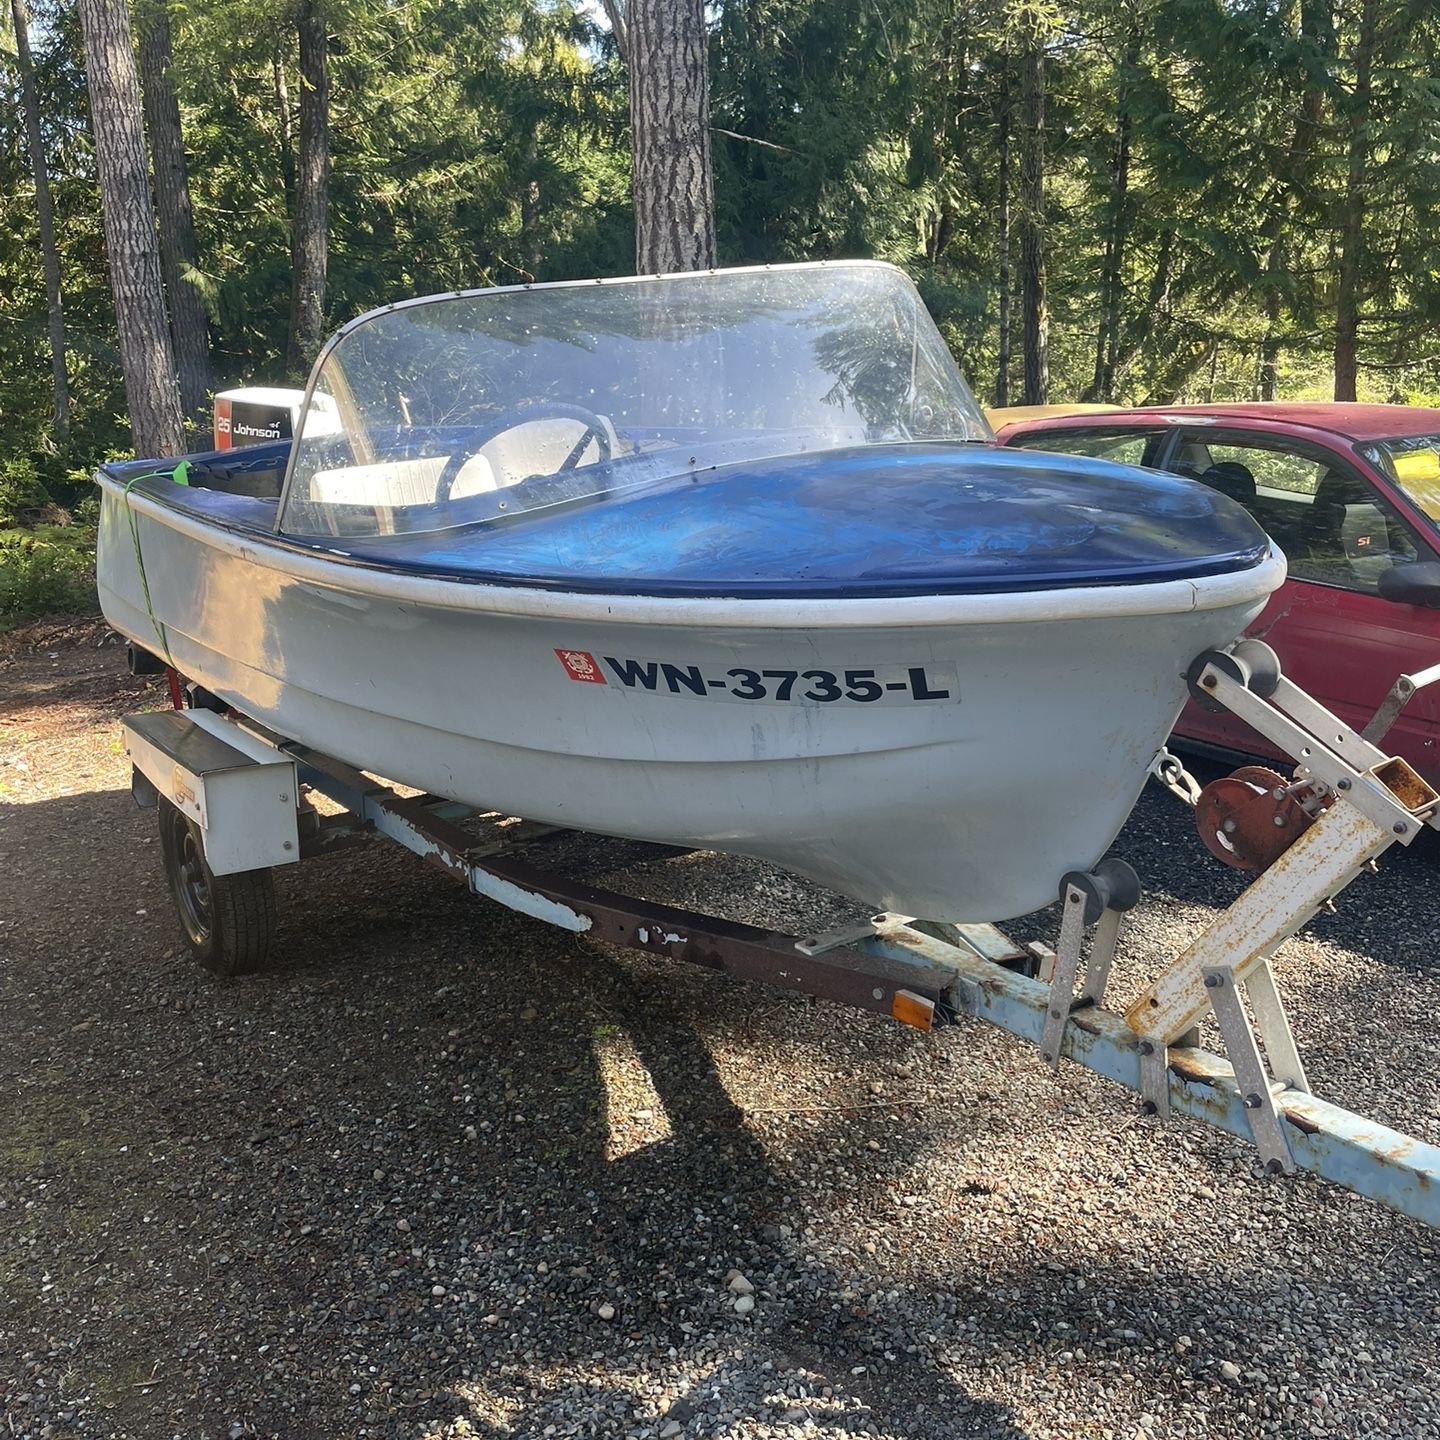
(1404, 784)
(1196, 1074)
(1403, 1154)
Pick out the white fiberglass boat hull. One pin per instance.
(1008, 743)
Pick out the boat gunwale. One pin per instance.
(303, 562)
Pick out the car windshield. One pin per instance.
(1411, 462)
(480, 407)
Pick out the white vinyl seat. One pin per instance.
(535, 447)
(398, 484)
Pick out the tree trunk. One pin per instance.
(1269, 377)
(310, 233)
(616, 17)
(1117, 268)
(1002, 233)
(286, 123)
(49, 254)
(1107, 342)
(1032, 219)
(530, 206)
(151, 394)
(953, 81)
(666, 45)
(1185, 357)
(1292, 176)
(178, 252)
(1352, 224)
(1157, 304)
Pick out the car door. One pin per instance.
(1336, 636)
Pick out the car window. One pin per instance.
(1413, 463)
(1127, 447)
(1333, 525)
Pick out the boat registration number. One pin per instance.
(905, 684)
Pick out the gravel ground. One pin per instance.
(445, 1172)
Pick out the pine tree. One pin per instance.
(310, 242)
(666, 49)
(151, 392)
(1033, 232)
(178, 254)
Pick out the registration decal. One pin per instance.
(580, 665)
(813, 685)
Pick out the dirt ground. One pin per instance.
(446, 1172)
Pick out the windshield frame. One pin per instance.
(446, 296)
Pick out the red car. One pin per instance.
(1351, 494)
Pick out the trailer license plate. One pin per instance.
(905, 684)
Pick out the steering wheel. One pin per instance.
(595, 428)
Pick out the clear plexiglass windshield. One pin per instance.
(496, 403)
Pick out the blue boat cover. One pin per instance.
(871, 520)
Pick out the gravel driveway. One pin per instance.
(445, 1172)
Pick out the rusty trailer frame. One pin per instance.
(927, 974)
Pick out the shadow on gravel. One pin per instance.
(717, 1182)
(1176, 1326)
(370, 1192)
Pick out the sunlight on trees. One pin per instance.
(1130, 200)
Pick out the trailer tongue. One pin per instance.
(231, 796)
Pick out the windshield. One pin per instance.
(484, 406)
(1412, 463)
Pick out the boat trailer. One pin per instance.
(233, 804)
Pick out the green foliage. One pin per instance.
(890, 119)
(473, 143)
(23, 495)
(47, 568)
(98, 401)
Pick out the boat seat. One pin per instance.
(399, 484)
(1231, 478)
(535, 447)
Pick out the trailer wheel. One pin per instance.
(228, 919)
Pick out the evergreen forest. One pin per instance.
(1117, 200)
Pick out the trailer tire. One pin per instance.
(229, 920)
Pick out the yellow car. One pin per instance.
(1003, 416)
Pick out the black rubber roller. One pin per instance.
(1262, 665)
(1252, 663)
(1227, 665)
(1111, 885)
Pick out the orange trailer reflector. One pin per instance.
(912, 1009)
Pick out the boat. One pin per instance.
(726, 560)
